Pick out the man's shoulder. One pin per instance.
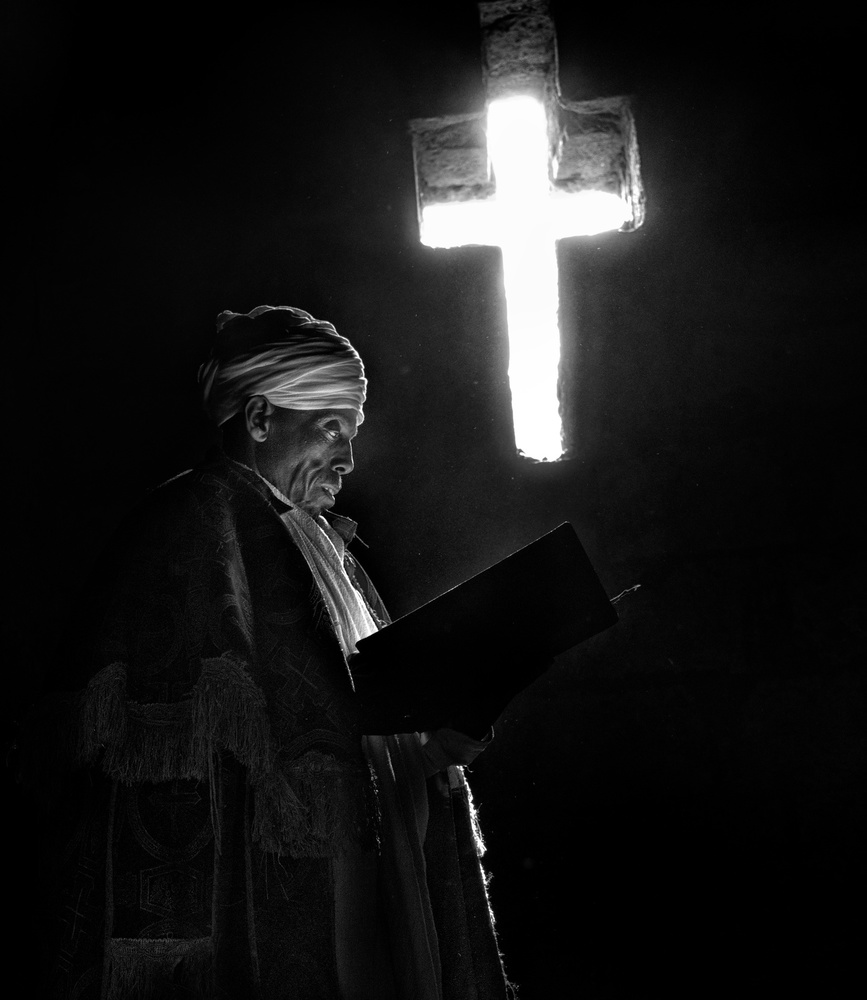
(217, 477)
(215, 491)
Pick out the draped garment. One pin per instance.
(224, 829)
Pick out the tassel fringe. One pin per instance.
(158, 968)
(103, 712)
(314, 806)
(162, 742)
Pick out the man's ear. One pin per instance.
(257, 418)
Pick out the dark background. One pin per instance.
(677, 808)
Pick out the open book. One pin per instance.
(461, 658)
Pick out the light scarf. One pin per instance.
(319, 545)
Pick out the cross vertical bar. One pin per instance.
(531, 170)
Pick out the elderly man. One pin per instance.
(239, 831)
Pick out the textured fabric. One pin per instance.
(219, 830)
(411, 925)
(400, 768)
(284, 354)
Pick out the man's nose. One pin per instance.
(342, 462)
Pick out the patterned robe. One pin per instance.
(215, 826)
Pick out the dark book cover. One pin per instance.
(462, 657)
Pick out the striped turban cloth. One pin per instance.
(284, 354)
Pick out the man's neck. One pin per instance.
(240, 449)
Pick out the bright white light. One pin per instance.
(525, 218)
(460, 224)
(518, 147)
(530, 282)
(585, 213)
(480, 223)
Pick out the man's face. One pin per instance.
(306, 454)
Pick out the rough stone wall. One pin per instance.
(592, 144)
(451, 159)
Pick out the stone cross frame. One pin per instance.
(587, 164)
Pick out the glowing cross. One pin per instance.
(531, 170)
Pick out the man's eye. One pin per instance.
(332, 435)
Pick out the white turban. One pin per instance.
(284, 354)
